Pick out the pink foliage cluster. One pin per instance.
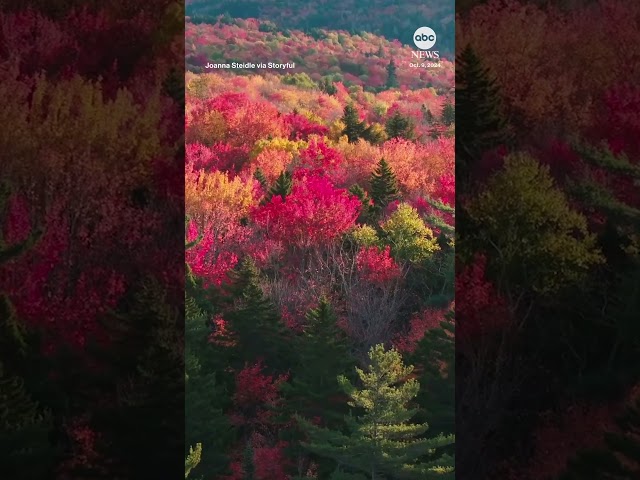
(320, 159)
(315, 213)
(481, 308)
(219, 156)
(215, 254)
(300, 127)
(254, 393)
(43, 287)
(246, 120)
(419, 324)
(376, 265)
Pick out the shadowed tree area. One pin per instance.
(547, 346)
(91, 212)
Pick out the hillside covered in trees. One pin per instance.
(394, 19)
(337, 56)
(320, 251)
(548, 339)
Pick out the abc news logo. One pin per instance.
(425, 38)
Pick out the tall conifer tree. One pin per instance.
(400, 126)
(384, 185)
(354, 129)
(392, 76)
(381, 442)
(480, 123)
(282, 186)
(255, 328)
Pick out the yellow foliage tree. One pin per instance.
(278, 143)
(410, 239)
(215, 201)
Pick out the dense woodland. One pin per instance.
(91, 218)
(320, 251)
(393, 19)
(323, 55)
(547, 331)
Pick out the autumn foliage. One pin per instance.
(290, 255)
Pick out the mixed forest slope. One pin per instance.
(547, 177)
(391, 19)
(359, 59)
(320, 240)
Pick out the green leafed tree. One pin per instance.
(375, 134)
(327, 86)
(539, 241)
(381, 441)
(409, 237)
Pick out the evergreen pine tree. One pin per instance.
(323, 355)
(399, 126)
(259, 176)
(436, 354)
(620, 282)
(620, 459)
(282, 186)
(255, 327)
(26, 449)
(448, 113)
(384, 185)
(327, 86)
(481, 125)
(354, 129)
(205, 397)
(366, 212)
(392, 76)
(382, 442)
(13, 341)
(340, 474)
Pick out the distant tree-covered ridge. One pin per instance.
(393, 19)
(355, 59)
